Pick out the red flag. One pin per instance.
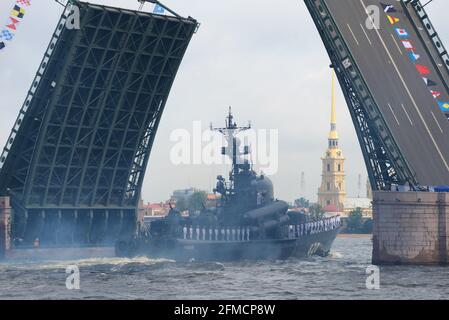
(435, 94)
(423, 70)
(13, 24)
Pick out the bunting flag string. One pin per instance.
(7, 32)
(423, 70)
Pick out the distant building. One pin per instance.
(154, 209)
(363, 203)
(332, 193)
(212, 200)
(182, 194)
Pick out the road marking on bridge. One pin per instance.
(366, 35)
(438, 124)
(408, 92)
(394, 115)
(397, 45)
(406, 113)
(356, 41)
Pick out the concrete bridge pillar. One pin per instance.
(5, 226)
(410, 228)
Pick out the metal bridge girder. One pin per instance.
(83, 138)
(383, 158)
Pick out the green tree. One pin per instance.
(197, 201)
(316, 211)
(182, 205)
(368, 226)
(355, 219)
(302, 203)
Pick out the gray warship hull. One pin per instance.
(198, 250)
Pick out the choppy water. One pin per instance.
(339, 276)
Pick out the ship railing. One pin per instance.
(314, 227)
(243, 234)
(216, 234)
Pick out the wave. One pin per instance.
(91, 262)
(336, 255)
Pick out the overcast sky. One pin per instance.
(264, 58)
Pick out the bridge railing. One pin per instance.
(438, 44)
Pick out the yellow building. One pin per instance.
(332, 193)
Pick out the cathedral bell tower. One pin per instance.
(332, 193)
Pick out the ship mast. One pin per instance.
(230, 132)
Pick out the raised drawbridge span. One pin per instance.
(393, 70)
(75, 161)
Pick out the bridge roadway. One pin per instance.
(413, 115)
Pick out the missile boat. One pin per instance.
(247, 222)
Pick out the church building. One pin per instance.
(332, 193)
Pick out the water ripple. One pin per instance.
(340, 276)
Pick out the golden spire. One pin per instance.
(333, 135)
(333, 112)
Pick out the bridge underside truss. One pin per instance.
(385, 163)
(76, 158)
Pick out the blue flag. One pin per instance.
(158, 9)
(444, 106)
(413, 56)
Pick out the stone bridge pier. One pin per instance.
(411, 228)
(5, 224)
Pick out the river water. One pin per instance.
(342, 275)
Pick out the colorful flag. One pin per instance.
(435, 94)
(12, 26)
(423, 70)
(393, 20)
(413, 56)
(7, 35)
(429, 82)
(158, 9)
(407, 44)
(388, 7)
(24, 2)
(18, 12)
(401, 32)
(444, 106)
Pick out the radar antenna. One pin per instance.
(230, 132)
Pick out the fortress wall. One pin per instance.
(410, 228)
